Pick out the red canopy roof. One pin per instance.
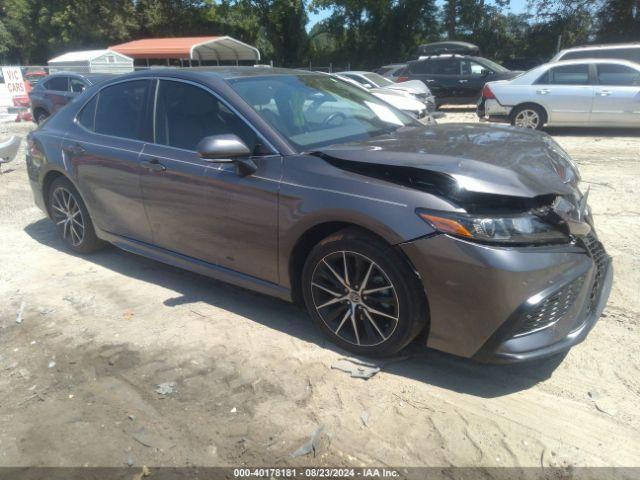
(196, 48)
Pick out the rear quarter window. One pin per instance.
(87, 115)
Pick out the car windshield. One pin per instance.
(496, 67)
(312, 111)
(378, 79)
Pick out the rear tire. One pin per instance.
(71, 217)
(363, 294)
(529, 116)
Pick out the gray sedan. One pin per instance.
(302, 186)
(598, 92)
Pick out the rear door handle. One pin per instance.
(542, 91)
(604, 93)
(463, 81)
(153, 165)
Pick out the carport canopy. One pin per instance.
(189, 48)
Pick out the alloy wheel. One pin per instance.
(527, 119)
(68, 215)
(355, 298)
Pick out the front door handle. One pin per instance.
(604, 93)
(463, 81)
(153, 165)
(542, 91)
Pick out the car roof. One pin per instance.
(358, 72)
(447, 55)
(602, 47)
(575, 61)
(221, 73)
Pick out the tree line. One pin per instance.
(362, 33)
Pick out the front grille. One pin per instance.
(600, 258)
(552, 309)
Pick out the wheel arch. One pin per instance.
(310, 238)
(47, 181)
(314, 234)
(520, 105)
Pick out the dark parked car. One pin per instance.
(455, 79)
(54, 91)
(308, 188)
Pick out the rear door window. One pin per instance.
(617, 75)
(58, 84)
(566, 75)
(421, 68)
(121, 110)
(449, 66)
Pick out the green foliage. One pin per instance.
(362, 33)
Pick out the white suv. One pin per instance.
(620, 51)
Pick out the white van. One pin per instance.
(620, 51)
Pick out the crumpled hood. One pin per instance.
(483, 159)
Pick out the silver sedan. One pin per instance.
(586, 92)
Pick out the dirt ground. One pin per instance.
(252, 378)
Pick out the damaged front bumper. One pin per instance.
(510, 304)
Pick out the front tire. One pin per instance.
(71, 217)
(363, 294)
(529, 116)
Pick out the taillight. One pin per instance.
(487, 93)
(32, 148)
(401, 79)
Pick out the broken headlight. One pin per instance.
(508, 229)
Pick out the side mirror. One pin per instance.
(226, 149)
(485, 73)
(222, 148)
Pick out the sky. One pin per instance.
(517, 6)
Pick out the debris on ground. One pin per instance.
(144, 473)
(311, 445)
(357, 368)
(20, 312)
(166, 388)
(128, 315)
(151, 439)
(51, 364)
(364, 417)
(130, 460)
(603, 403)
(234, 410)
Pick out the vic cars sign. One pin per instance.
(14, 82)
